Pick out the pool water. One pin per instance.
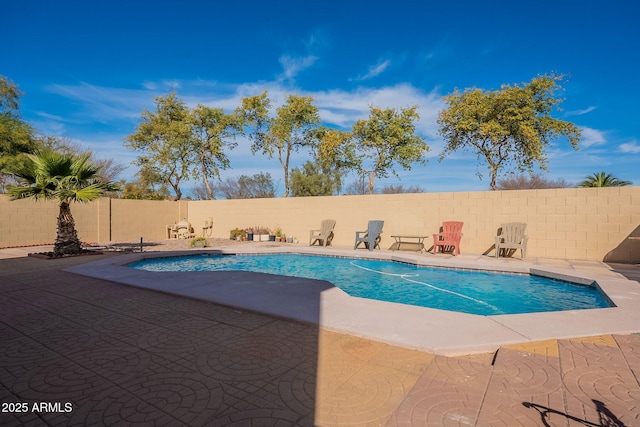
(473, 292)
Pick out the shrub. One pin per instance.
(199, 242)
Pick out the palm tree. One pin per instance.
(602, 179)
(64, 177)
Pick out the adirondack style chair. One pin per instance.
(449, 237)
(324, 235)
(512, 237)
(370, 237)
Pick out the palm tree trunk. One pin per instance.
(67, 241)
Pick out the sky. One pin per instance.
(88, 69)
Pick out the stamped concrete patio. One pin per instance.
(122, 355)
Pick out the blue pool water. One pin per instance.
(481, 293)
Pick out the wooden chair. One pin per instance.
(449, 237)
(371, 237)
(324, 235)
(512, 237)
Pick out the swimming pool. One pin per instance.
(482, 293)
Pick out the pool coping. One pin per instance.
(436, 331)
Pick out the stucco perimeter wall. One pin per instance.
(576, 223)
(28, 222)
(133, 219)
(590, 223)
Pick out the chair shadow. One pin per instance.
(606, 418)
(493, 246)
(505, 252)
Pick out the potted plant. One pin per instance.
(249, 233)
(237, 234)
(263, 232)
(279, 235)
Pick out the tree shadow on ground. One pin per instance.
(606, 418)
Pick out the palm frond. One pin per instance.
(62, 176)
(83, 194)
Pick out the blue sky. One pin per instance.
(88, 69)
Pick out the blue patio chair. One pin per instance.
(370, 237)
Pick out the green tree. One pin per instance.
(179, 143)
(212, 129)
(293, 127)
(254, 119)
(65, 178)
(9, 95)
(385, 140)
(164, 137)
(512, 125)
(603, 179)
(335, 149)
(314, 179)
(147, 185)
(16, 135)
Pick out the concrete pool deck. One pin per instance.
(436, 331)
(122, 355)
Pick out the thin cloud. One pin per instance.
(291, 66)
(342, 108)
(580, 112)
(630, 147)
(337, 107)
(375, 71)
(105, 104)
(55, 117)
(442, 50)
(591, 137)
(165, 85)
(318, 40)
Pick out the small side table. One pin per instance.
(414, 243)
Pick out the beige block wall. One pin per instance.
(28, 222)
(574, 223)
(133, 219)
(24, 222)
